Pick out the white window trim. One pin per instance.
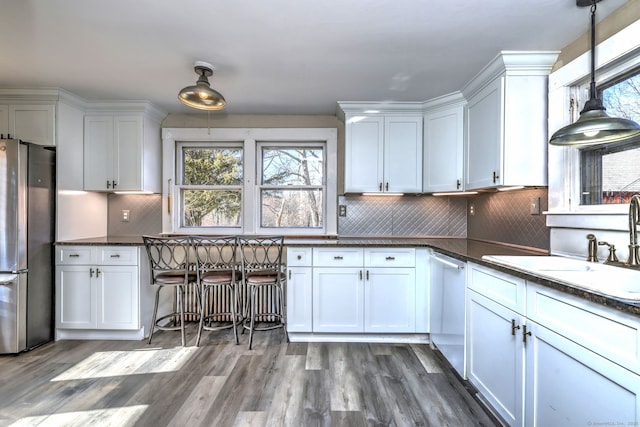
(614, 56)
(250, 137)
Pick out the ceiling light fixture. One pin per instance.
(594, 126)
(201, 96)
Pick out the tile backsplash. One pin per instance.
(498, 217)
(145, 214)
(407, 216)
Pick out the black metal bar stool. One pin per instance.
(264, 278)
(217, 270)
(169, 267)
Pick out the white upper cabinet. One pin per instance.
(383, 147)
(444, 144)
(122, 151)
(507, 121)
(33, 123)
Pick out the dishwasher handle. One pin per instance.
(448, 263)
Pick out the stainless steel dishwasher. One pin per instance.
(447, 308)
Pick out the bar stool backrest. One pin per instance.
(168, 255)
(259, 253)
(214, 252)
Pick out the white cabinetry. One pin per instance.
(364, 290)
(383, 150)
(443, 164)
(29, 122)
(122, 150)
(299, 290)
(507, 121)
(580, 352)
(554, 354)
(101, 288)
(495, 308)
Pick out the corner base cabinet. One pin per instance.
(102, 292)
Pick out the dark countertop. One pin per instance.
(459, 248)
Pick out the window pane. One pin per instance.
(301, 166)
(291, 208)
(211, 208)
(212, 166)
(610, 175)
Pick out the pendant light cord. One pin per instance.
(594, 102)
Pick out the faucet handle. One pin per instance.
(612, 252)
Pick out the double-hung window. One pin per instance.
(253, 181)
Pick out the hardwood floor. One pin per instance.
(122, 383)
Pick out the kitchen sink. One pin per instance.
(604, 279)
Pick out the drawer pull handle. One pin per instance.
(367, 274)
(360, 274)
(390, 258)
(299, 257)
(74, 256)
(525, 333)
(115, 256)
(337, 257)
(91, 272)
(289, 274)
(98, 272)
(514, 327)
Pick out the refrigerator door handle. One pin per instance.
(8, 279)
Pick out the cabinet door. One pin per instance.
(4, 121)
(338, 300)
(403, 154)
(443, 150)
(117, 297)
(33, 123)
(569, 385)
(495, 356)
(389, 300)
(484, 137)
(364, 154)
(299, 299)
(127, 146)
(75, 297)
(98, 153)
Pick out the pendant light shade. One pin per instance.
(594, 126)
(201, 96)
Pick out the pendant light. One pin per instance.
(594, 126)
(201, 96)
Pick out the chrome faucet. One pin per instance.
(634, 216)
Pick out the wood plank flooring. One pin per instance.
(131, 383)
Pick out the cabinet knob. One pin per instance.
(386, 187)
(299, 257)
(496, 177)
(108, 184)
(458, 184)
(91, 272)
(113, 183)
(525, 333)
(380, 187)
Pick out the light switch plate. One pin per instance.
(534, 206)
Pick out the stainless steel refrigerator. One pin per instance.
(27, 212)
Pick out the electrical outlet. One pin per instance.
(125, 215)
(342, 210)
(534, 206)
(472, 210)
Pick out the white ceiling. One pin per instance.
(276, 56)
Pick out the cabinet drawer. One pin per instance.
(500, 287)
(385, 257)
(118, 255)
(613, 335)
(70, 255)
(338, 257)
(298, 257)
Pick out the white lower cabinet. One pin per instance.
(568, 385)
(495, 355)
(101, 288)
(338, 299)
(355, 290)
(557, 360)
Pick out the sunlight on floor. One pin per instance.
(117, 363)
(96, 418)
